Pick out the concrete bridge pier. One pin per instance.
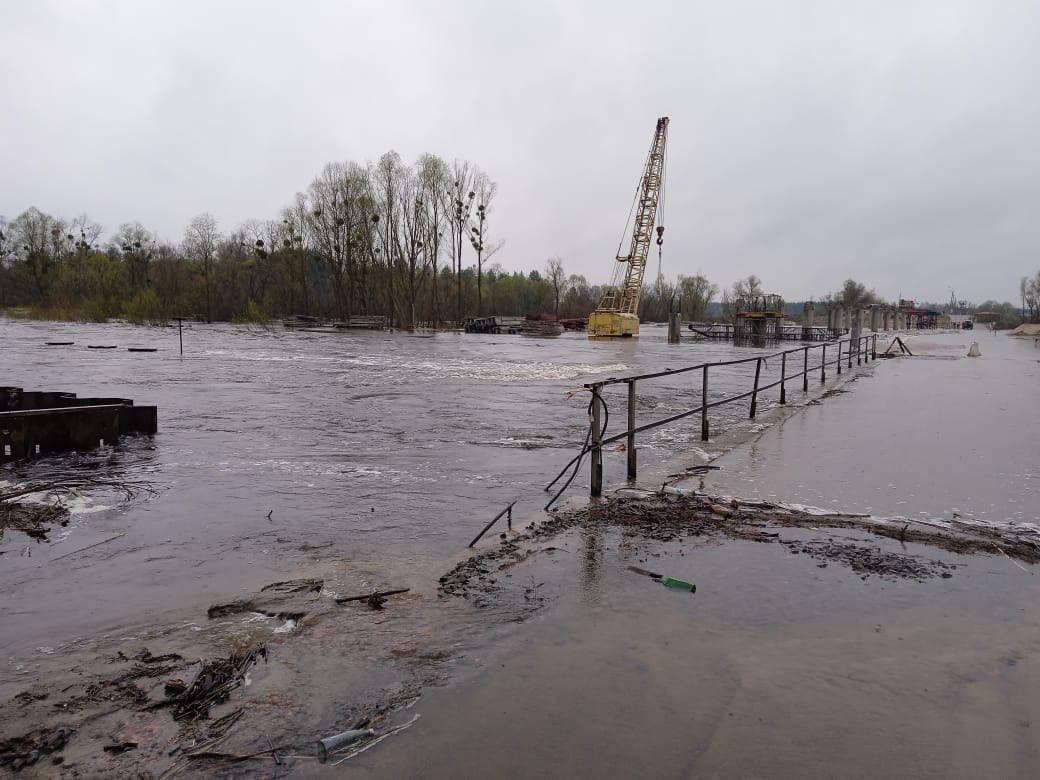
(808, 318)
(674, 327)
(875, 317)
(839, 320)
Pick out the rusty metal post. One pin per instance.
(704, 404)
(839, 358)
(180, 333)
(805, 370)
(631, 444)
(596, 481)
(783, 378)
(754, 391)
(873, 348)
(823, 366)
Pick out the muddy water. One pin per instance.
(775, 667)
(380, 451)
(937, 436)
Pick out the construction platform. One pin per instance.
(35, 423)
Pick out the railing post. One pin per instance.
(596, 481)
(850, 354)
(704, 404)
(823, 366)
(754, 391)
(805, 370)
(873, 349)
(631, 445)
(783, 377)
(859, 351)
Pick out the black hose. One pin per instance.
(581, 453)
(586, 448)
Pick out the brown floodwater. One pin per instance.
(374, 455)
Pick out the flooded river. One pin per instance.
(369, 460)
(274, 447)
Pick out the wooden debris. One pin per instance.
(375, 600)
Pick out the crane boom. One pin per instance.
(618, 311)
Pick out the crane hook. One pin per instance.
(660, 235)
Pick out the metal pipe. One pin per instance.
(704, 405)
(783, 376)
(805, 371)
(508, 509)
(596, 477)
(631, 444)
(754, 391)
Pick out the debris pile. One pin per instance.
(212, 684)
(33, 520)
(289, 600)
(20, 752)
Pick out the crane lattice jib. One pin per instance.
(627, 300)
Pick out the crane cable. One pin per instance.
(660, 210)
(616, 274)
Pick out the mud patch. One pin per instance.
(668, 516)
(867, 561)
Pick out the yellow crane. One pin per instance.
(618, 312)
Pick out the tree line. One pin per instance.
(413, 243)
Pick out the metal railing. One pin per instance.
(863, 348)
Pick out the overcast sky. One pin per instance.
(894, 141)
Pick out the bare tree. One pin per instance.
(294, 249)
(389, 172)
(412, 250)
(855, 294)
(745, 288)
(340, 201)
(558, 279)
(200, 244)
(485, 193)
(695, 293)
(460, 206)
(134, 243)
(434, 186)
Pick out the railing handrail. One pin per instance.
(672, 371)
(865, 348)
